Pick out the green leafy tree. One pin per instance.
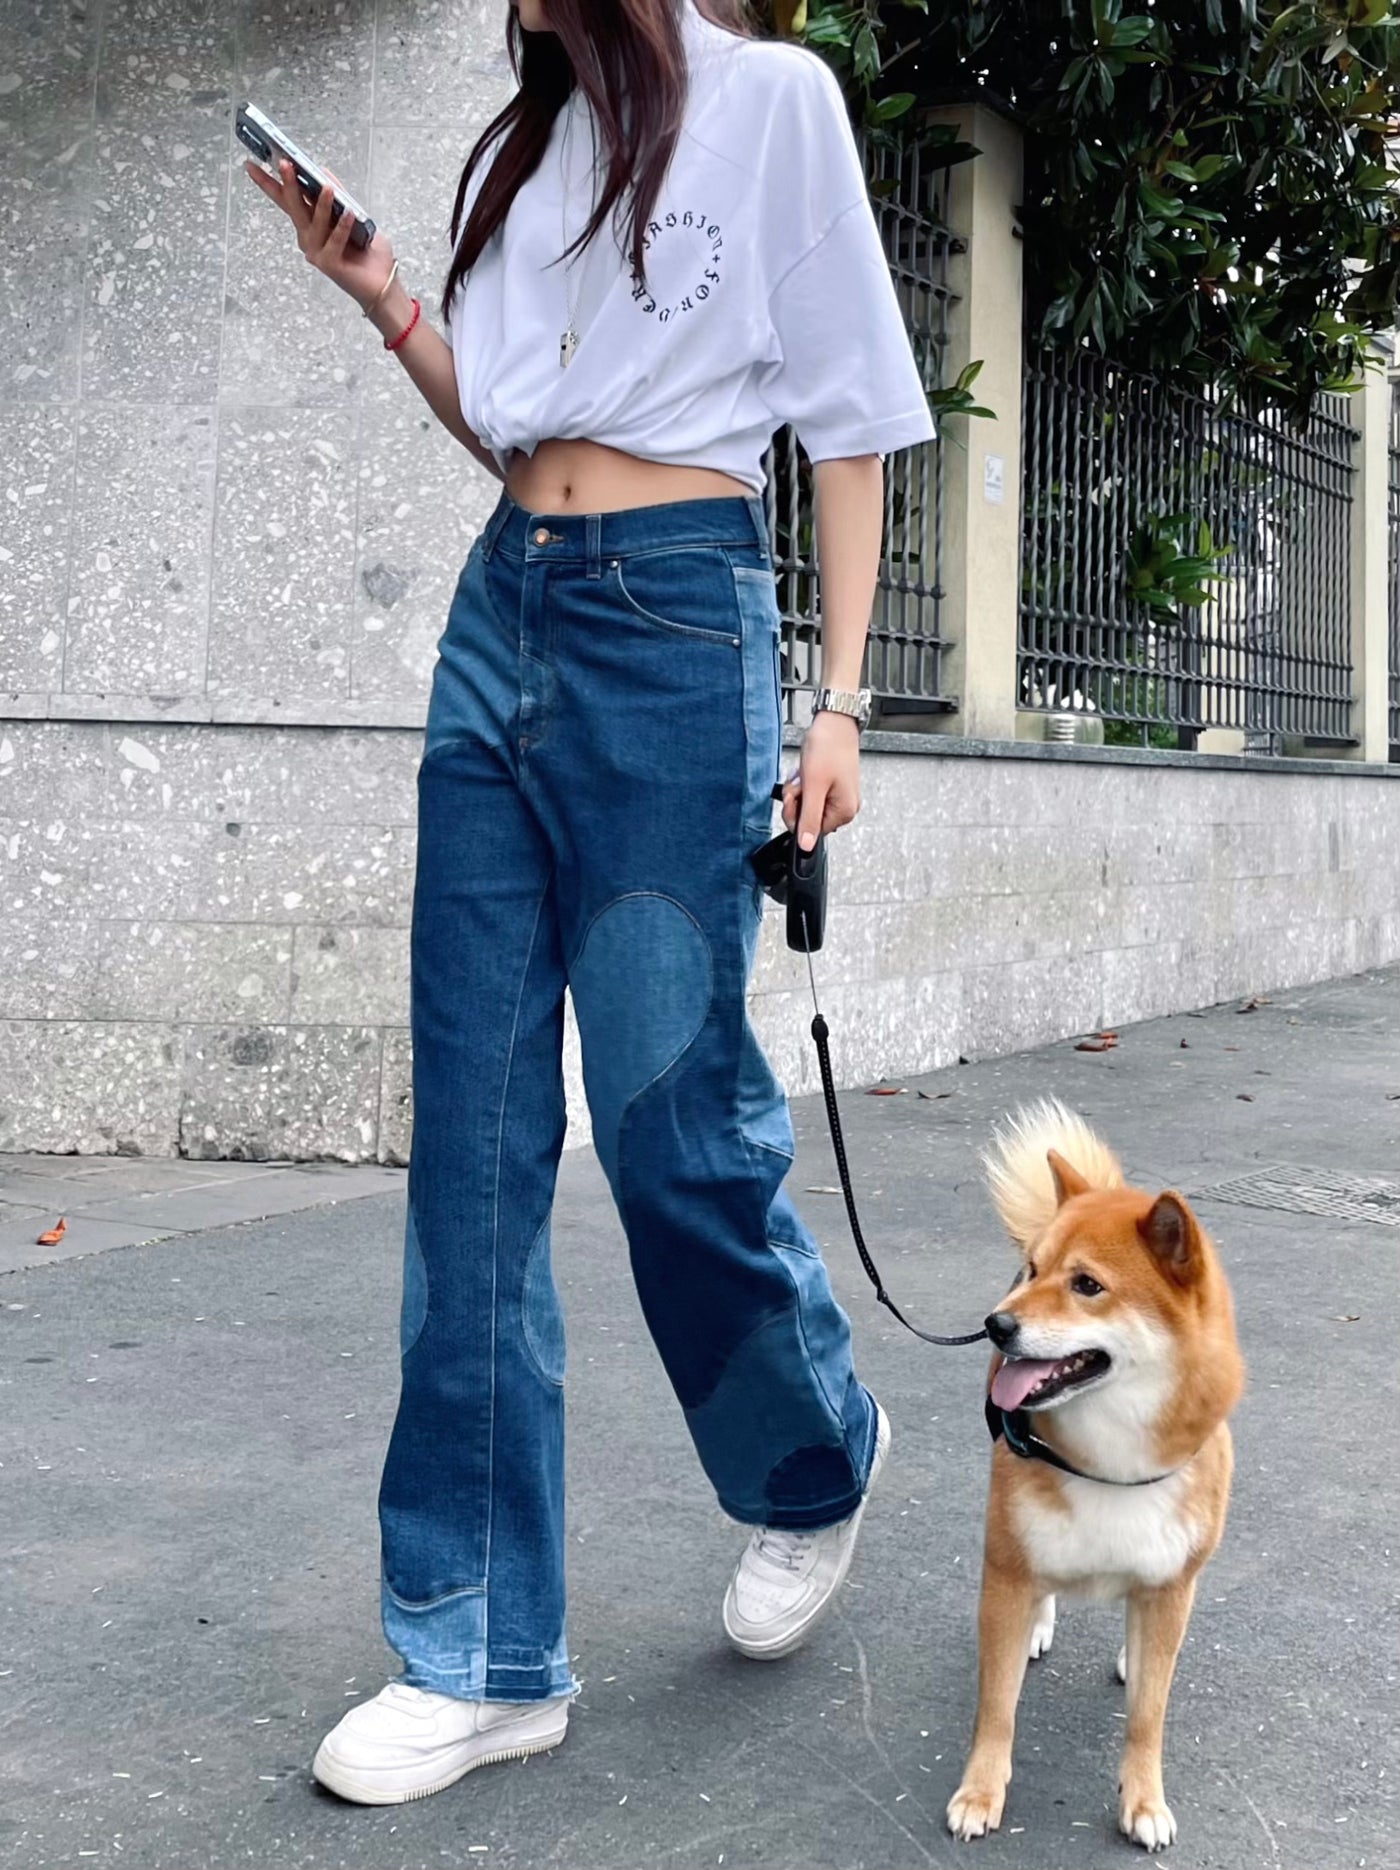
(1211, 185)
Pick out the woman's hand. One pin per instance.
(360, 271)
(826, 791)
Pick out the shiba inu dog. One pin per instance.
(1116, 1367)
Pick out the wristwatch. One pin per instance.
(855, 702)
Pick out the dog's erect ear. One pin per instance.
(1068, 1180)
(1170, 1233)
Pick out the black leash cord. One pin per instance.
(1012, 1425)
(819, 1033)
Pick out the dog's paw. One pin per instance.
(1043, 1629)
(1121, 1667)
(975, 1810)
(1147, 1821)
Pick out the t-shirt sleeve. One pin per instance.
(844, 374)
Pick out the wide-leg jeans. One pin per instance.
(602, 741)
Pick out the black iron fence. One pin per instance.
(904, 657)
(1395, 568)
(1184, 566)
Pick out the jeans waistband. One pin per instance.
(590, 538)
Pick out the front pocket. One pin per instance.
(684, 590)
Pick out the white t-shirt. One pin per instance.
(768, 300)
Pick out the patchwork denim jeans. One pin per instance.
(602, 740)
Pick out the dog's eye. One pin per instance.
(1086, 1286)
(1024, 1277)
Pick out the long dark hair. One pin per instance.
(628, 58)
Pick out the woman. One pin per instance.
(602, 744)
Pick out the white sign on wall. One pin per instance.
(993, 479)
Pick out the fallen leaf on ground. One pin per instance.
(886, 1090)
(1102, 1042)
(1184, 1046)
(1345, 1318)
(821, 1191)
(1258, 1000)
(54, 1235)
(933, 1094)
(1243, 1097)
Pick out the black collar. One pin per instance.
(1013, 1425)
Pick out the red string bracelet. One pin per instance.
(392, 344)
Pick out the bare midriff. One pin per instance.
(587, 477)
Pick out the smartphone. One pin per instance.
(260, 134)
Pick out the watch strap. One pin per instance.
(855, 702)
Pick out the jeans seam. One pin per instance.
(495, 1263)
(427, 1296)
(530, 1351)
(431, 1603)
(660, 896)
(689, 545)
(762, 830)
(837, 1418)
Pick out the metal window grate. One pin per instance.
(1313, 1191)
(904, 655)
(1108, 453)
(1395, 568)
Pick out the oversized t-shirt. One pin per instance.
(768, 297)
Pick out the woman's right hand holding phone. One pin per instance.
(359, 271)
(364, 272)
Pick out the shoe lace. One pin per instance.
(783, 1546)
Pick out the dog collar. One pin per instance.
(1013, 1425)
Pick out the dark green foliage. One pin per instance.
(1210, 194)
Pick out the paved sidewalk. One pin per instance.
(191, 1433)
(128, 1201)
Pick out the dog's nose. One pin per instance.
(1002, 1328)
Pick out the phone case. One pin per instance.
(261, 135)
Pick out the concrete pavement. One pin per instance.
(191, 1432)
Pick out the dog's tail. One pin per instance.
(1018, 1169)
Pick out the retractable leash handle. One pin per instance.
(798, 879)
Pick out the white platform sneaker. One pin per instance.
(786, 1580)
(409, 1742)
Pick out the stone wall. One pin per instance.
(204, 938)
(221, 500)
(229, 533)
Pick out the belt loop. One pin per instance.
(494, 526)
(593, 539)
(759, 516)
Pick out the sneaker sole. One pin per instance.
(790, 1640)
(346, 1783)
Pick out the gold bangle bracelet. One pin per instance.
(383, 289)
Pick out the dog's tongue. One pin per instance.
(1016, 1378)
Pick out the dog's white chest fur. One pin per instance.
(1110, 1539)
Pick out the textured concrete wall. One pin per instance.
(203, 947)
(221, 499)
(229, 533)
